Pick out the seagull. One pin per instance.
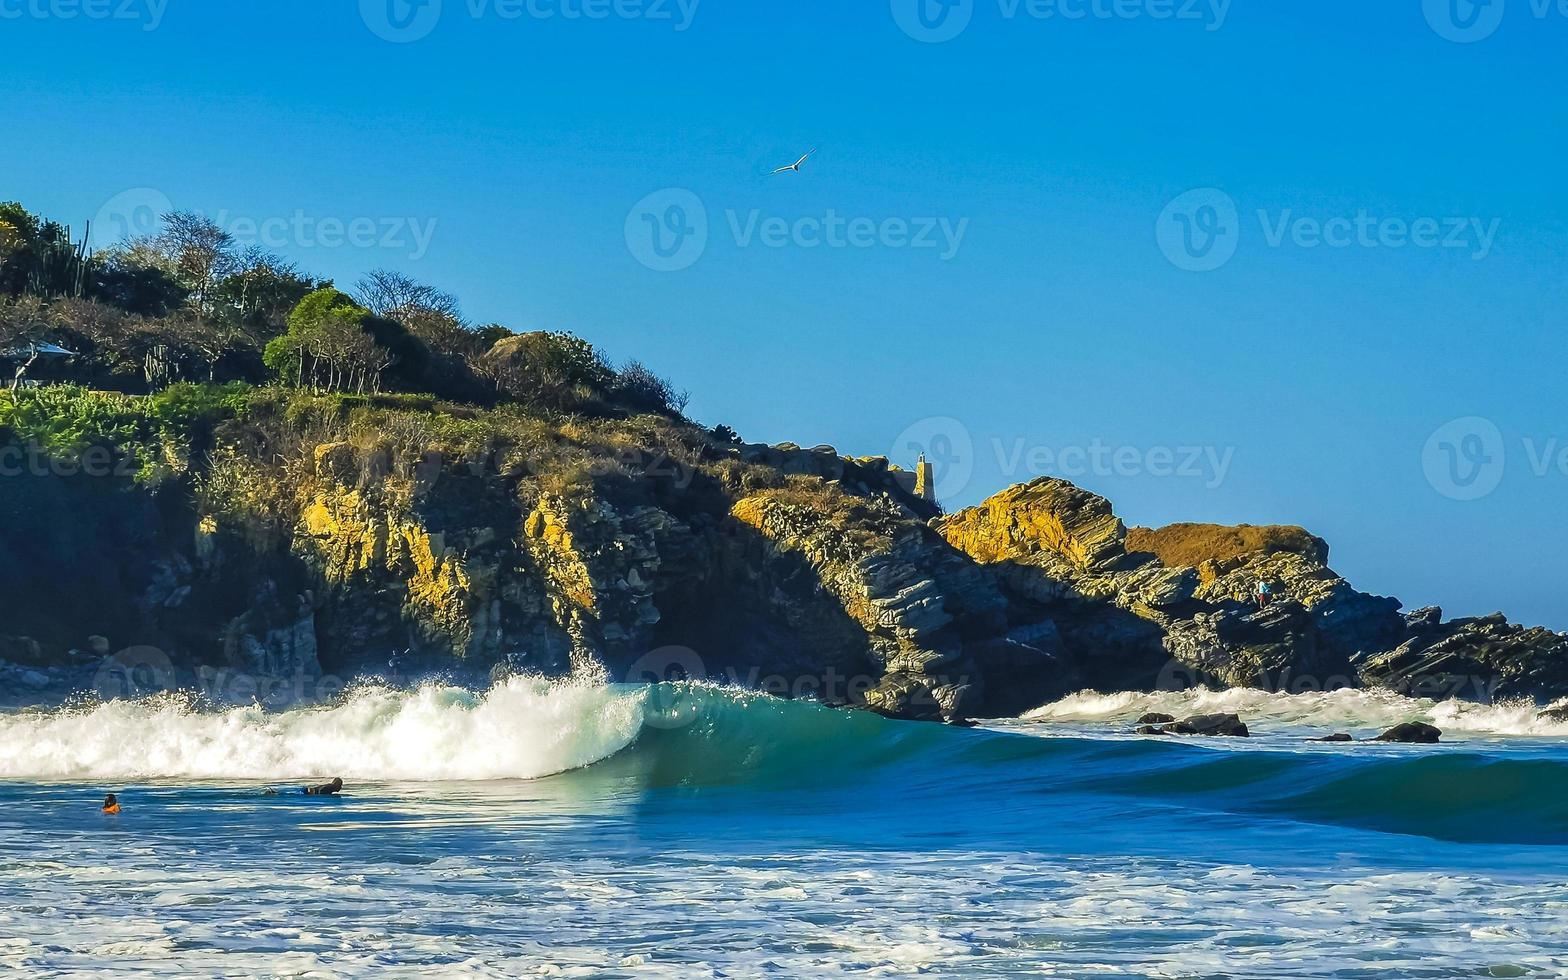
(794, 167)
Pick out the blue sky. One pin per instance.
(1236, 262)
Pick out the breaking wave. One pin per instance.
(1341, 710)
(523, 728)
(703, 737)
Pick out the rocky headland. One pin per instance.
(283, 538)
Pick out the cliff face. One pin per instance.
(797, 571)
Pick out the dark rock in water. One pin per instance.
(1411, 732)
(1150, 730)
(1155, 718)
(917, 697)
(1559, 714)
(1212, 725)
(1336, 737)
(22, 650)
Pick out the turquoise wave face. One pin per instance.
(702, 738)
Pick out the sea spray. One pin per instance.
(523, 728)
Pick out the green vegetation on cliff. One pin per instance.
(190, 304)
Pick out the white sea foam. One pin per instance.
(524, 728)
(1342, 709)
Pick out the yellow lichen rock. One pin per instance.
(349, 541)
(1045, 515)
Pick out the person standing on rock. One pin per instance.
(1265, 594)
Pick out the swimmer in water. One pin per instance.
(111, 804)
(327, 789)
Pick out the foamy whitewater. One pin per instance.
(579, 829)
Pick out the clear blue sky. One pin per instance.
(1318, 375)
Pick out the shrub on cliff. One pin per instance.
(557, 371)
(332, 345)
(149, 437)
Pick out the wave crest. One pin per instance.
(523, 728)
(1338, 710)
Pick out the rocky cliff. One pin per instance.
(396, 547)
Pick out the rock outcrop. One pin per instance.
(923, 612)
(798, 571)
(1131, 619)
(1045, 516)
(1480, 659)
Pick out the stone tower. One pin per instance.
(925, 480)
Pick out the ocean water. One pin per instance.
(580, 830)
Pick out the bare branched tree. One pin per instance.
(389, 294)
(197, 250)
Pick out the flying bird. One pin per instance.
(794, 167)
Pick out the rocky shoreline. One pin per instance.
(797, 571)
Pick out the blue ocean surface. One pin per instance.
(583, 830)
